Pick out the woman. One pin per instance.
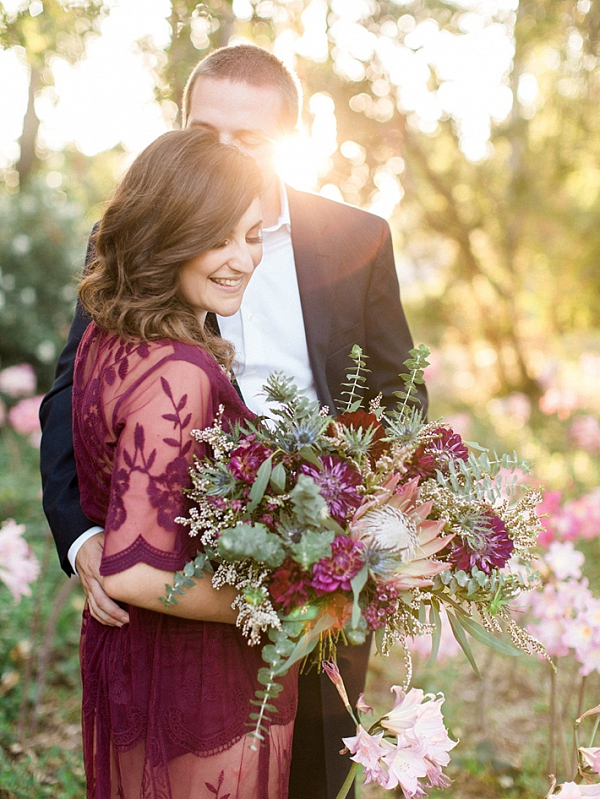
(166, 697)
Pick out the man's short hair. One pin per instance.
(247, 63)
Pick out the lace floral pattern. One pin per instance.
(165, 700)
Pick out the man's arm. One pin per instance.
(57, 460)
(388, 338)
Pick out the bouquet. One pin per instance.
(370, 521)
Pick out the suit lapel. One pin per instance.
(314, 262)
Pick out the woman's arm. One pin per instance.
(142, 585)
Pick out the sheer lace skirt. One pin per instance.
(166, 704)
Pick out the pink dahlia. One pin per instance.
(336, 571)
(338, 483)
(247, 458)
(489, 547)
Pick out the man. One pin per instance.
(327, 281)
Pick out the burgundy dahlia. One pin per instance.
(290, 586)
(489, 548)
(246, 459)
(335, 572)
(337, 482)
(447, 446)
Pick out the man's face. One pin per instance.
(244, 115)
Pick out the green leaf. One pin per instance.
(358, 582)
(308, 454)
(259, 486)
(278, 478)
(435, 619)
(460, 636)
(306, 644)
(480, 634)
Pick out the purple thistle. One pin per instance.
(489, 547)
(335, 572)
(337, 484)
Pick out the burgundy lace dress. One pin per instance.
(165, 700)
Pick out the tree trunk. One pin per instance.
(28, 160)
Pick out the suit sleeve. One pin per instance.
(388, 338)
(57, 461)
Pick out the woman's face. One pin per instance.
(216, 279)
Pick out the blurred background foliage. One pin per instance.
(497, 245)
(496, 225)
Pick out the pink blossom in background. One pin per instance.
(18, 564)
(576, 518)
(553, 610)
(584, 514)
(564, 560)
(459, 422)
(563, 402)
(585, 433)
(583, 636)
(24, 417)
(18, 381)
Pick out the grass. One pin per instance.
(501, 720)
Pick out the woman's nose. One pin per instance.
(243, 260)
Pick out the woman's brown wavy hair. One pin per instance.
(182, 196)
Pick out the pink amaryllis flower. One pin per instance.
(395, 523)
(571, 790)
(369, 750)
(423, 740)
(591, 757)
(18, 565)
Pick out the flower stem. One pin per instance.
(348, 782)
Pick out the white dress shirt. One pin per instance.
(268, 330)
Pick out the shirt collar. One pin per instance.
(284, 217)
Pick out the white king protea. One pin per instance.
(395, 523)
